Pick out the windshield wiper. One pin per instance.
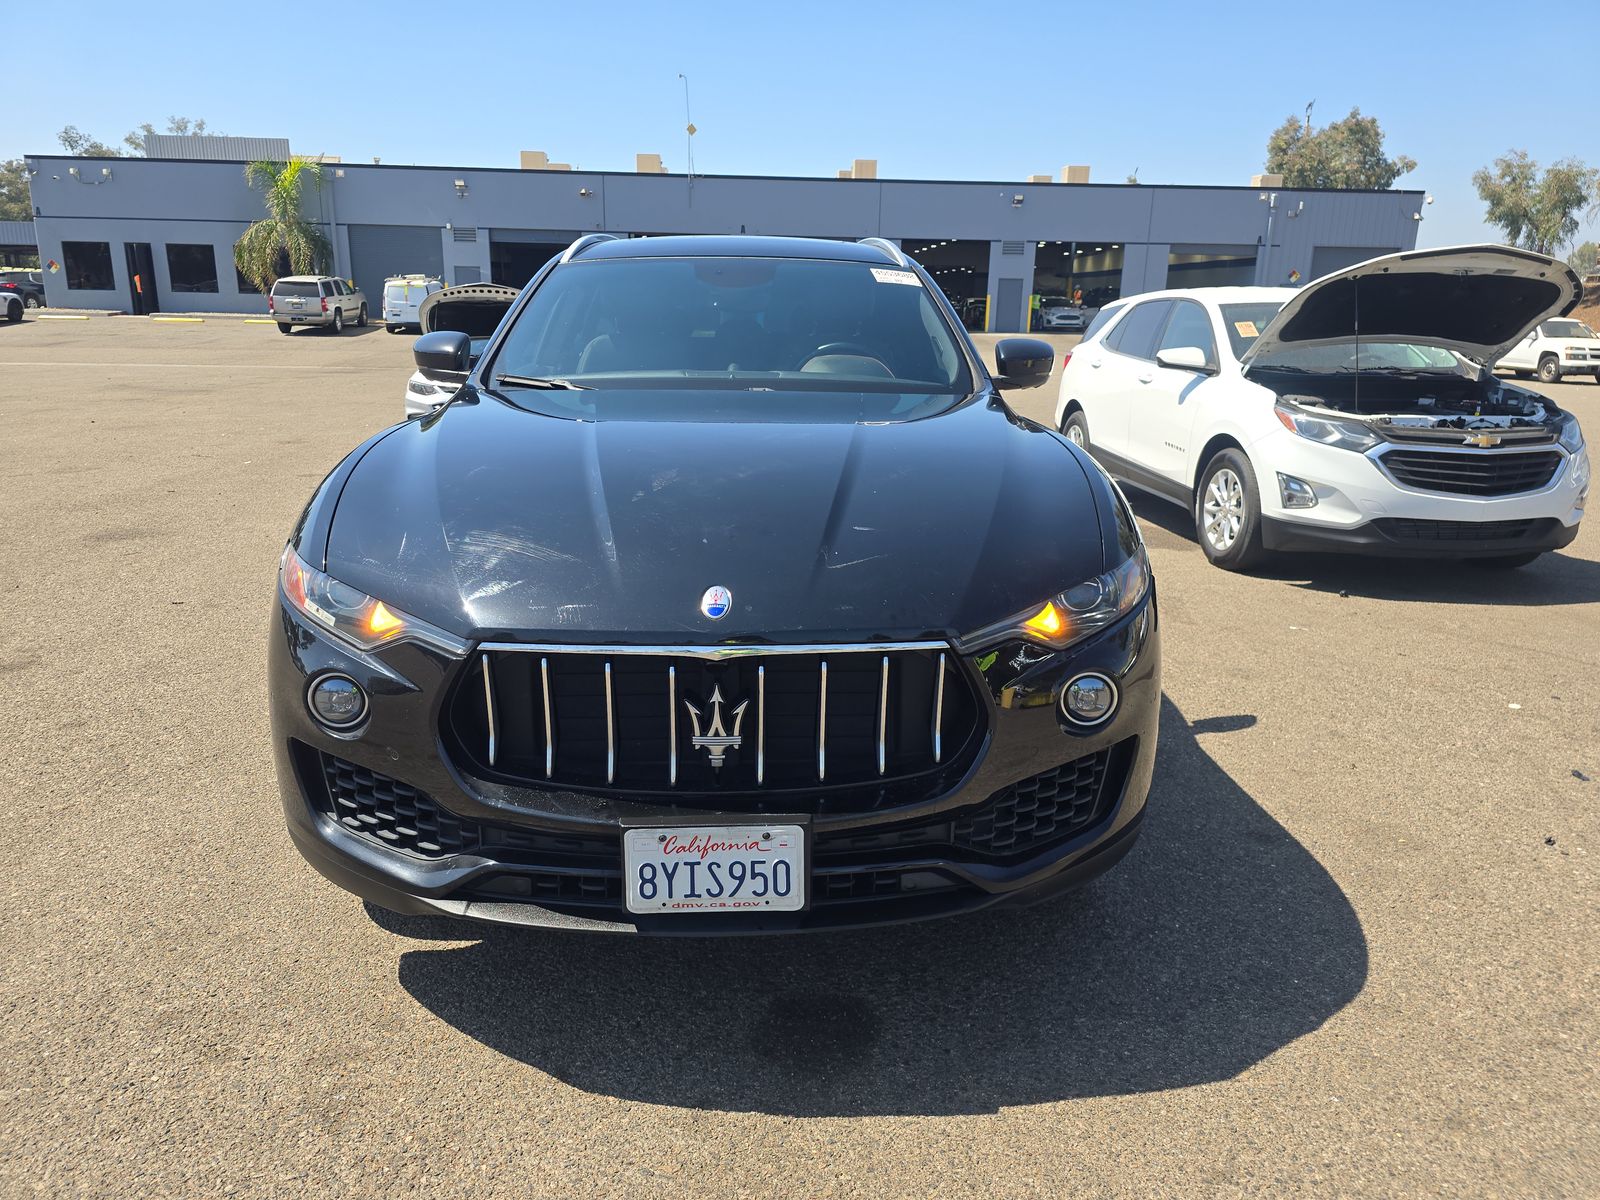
(534, 381)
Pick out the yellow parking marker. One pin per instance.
(259, 321)
(186, 320)
(62, 317)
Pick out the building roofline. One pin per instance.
(1004, 183)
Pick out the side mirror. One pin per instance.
(1022, 362)
(1185, 358)
(445, 350)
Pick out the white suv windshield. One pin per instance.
(1566, 329)
(1365, 356)
(752, 324)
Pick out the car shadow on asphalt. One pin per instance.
(1219, 940)
(1555, 578)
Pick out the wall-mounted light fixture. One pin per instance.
(585, 192)
(461, 187)
(105, 176)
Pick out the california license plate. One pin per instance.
(715, 868)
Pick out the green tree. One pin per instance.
(1345, 154)
(1537, 209)
(74, 141)
(14, 202)
(284, 231)
(1584, 258)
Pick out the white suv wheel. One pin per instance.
(1224, 509)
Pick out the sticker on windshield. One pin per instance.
(885, 275)
(1246, 329)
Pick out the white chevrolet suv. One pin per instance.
(1554, 350)
(1357, 413)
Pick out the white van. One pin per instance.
(402, 299)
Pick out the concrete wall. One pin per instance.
(163, 201)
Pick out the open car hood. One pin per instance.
(470, 308)
(1479, 301)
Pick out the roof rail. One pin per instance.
(896, 255)
(583, 243)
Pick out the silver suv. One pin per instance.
(316, 300)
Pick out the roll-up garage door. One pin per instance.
(379, 251)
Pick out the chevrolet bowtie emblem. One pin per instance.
(716, 741)
(1482, 439)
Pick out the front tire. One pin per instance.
(1549, 369)
(13, 313)
(32, 302)
(338, 321)
(361, 318)
(1076, 427)
(1227, 512)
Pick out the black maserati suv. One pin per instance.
(725, 595)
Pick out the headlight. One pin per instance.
(1074, 614)
(418, 387)
(358, 618)
(1571, 435)
(1347, 435)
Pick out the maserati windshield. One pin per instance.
(741, 325)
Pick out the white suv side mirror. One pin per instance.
(1185, 358)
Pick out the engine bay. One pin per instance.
(1420, 404)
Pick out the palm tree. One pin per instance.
(284, 233)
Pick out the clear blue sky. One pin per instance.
(931, 90)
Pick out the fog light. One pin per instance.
(1295, 493)
(337, 701)
(1088, 699)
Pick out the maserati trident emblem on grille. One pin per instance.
(1481, 439)
(716, 602)
(715, 740)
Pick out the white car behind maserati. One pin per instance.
(1357, 413)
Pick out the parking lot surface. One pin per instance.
(1353, 953)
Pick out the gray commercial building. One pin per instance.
(148, 234)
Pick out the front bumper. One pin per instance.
(1362, 508)
(868, 868)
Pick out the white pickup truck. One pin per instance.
(1556, 348)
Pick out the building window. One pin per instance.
(192, 268)
(88, 266)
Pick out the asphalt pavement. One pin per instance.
(1354, 952)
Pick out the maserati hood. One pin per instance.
(496, 522)
(1479, 301)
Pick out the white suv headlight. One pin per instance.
(1571, 435)
(1347, 435)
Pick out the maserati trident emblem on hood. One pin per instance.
(716, 602)
(715, 739)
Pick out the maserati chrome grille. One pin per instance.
(715, 720)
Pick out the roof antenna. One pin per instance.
(688, 134)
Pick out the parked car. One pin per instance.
(1261, 411)
(474, 309)
(1059, 313)
(320, 300)
(1554, 349)
(402, 298)
(26, 283)
(11, 306)
(673, 622)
